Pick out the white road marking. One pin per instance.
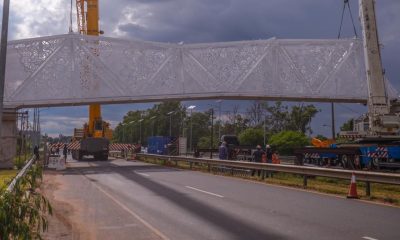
(155, 230)
(117, 227)
(143, 174)
(214, 194)
(369, 238)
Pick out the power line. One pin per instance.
(350, 109)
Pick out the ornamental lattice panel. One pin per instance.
(76, 69)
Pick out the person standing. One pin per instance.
(275, 158)
(223, 151)
(268, 152)
(257, 156)
(36, 152)
(65, 152)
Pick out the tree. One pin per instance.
(348, 126)
(252, 137)
(204, 142)
(300, 118)
(321, 137)
(280, 118)
(232, 126)
(154, 121)
(200, 128)
(286, 141)
(255, 114)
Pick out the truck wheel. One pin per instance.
(370, 165)
(376, 161)
(373, 164)
(357, 161)
(344, 162)
(350, 162)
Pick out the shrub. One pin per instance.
(286, 141)
(23, 210)
(252, 137)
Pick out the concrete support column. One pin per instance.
(8, 140)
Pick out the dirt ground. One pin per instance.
(63, 223)
(83, 210)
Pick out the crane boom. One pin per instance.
(81, 16)
(381, 121)
(88, 24)
(95, 135)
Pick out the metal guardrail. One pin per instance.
(369, 177)
(20, 174)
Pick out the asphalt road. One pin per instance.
(178, 204)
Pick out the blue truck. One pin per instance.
(162, 145)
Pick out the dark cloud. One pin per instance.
(194, 21)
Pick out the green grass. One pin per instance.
(379, 192)
(20, 161)
(384, 193)
(6, 176)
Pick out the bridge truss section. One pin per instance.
(74, 69)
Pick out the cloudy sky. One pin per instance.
(207, 21)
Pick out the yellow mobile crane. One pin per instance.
(94, 138)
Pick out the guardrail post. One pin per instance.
(305, 177)
(263, 174)
(191, 165)
(209, 167)
(368, 189)
(176, 163)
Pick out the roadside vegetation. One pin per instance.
(384, 193)
(6, 176)
(23, 210)
(261, 121)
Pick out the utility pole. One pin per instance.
(219, 119)
(123, 132)
(264, 130)
(212, 132)
(3, 58)
(191, 126)
(333, 121)
(170, 122)
(152, 128)
(140, 131)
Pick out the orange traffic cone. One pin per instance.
(353, 187)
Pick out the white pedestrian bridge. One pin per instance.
(74, 69)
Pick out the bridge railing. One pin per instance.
(21, 173)
(368, 177)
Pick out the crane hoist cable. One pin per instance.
(347, 3)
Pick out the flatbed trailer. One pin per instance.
(352, 156)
